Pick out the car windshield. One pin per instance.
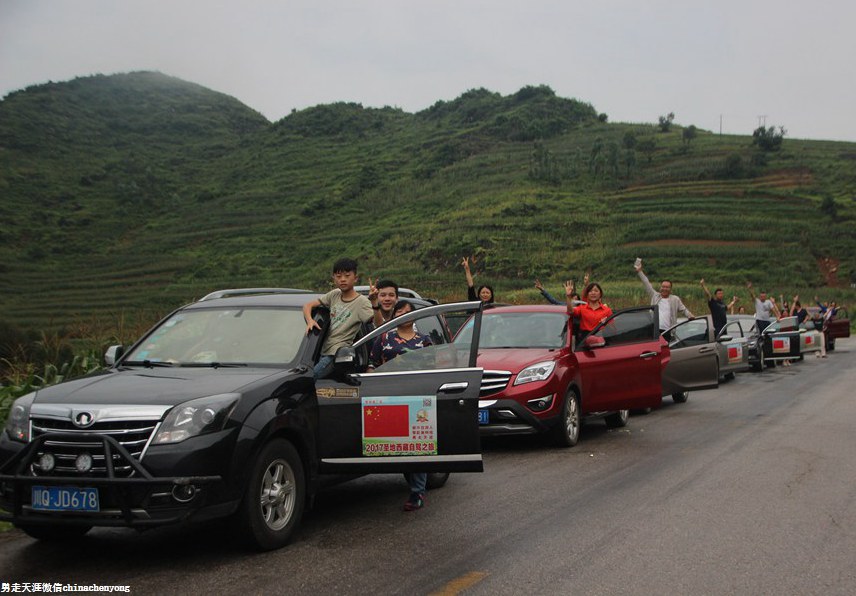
(222, 337)
(518, 330)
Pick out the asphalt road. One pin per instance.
(746, 489)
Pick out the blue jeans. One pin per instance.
(417, 481)
(323, 368)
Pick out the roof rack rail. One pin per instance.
(250, 291)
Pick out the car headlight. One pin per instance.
(536, 372)
(18, 423)
(196, 417)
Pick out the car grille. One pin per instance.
(494, 381)
(133, 435)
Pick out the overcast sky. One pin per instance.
(783, 62)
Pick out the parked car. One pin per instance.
(782, 340)
(538, 380)
(699, 359)
(214, 413)
(743, 326)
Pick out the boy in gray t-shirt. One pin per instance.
(348, 309)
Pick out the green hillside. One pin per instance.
(135, 193)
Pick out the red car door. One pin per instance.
(620, 362)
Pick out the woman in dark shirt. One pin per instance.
(484, 293)
(404, 338)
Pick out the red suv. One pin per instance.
(538, 380)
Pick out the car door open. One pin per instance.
(620, 362)
(415, 413)
(692, 364)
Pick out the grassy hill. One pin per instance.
(127, 195)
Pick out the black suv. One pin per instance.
(215, 413)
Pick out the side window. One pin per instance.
(628, 327)
(733, 329)
(434, 328)
(428, 351)
(691, 333)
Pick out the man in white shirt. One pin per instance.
(669, 305)
(765, 308)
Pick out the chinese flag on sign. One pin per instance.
(732, 354)
(778, 344)
(386, 421)
(808, 340)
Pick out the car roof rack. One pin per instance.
(251, 291)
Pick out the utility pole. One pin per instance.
(720, 125)
(762, 120)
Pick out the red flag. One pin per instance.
(778, 344)
(732, 354)
(386, 421)
(808, 340)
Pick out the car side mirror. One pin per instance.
(803, 330)
(345, 361)
(593, 341)
(725, 338)
(112, 354)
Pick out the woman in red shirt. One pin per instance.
(593, 312)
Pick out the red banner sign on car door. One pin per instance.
(399, 425)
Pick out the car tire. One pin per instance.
(617, 420)
(641, 411)
(730, 376)
(757, 366)
(436, 480)
(53, 533)
(567, 432)
(274, 497)
(681, 397)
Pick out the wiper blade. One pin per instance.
(148, 363)
(214, 365)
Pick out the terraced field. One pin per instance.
(220, 198)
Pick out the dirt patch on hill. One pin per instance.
(789, 178)
(829, 268)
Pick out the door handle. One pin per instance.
(705, 350)
(453, 387)
(647, 354)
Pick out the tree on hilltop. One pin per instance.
(769, 139)
(665, 122)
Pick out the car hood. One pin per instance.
(514, 359)
(164, 386)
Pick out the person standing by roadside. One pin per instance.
(669, 305)
(484, 293)
(798, 311)
(718, 308)
(765, 309)
(593, 312)
(383, 296)
(731, 305)
(404, 338)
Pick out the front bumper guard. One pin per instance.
(14, 474)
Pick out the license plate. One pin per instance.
(65, 498)
(484, 417)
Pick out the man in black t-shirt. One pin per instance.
(718, 308)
